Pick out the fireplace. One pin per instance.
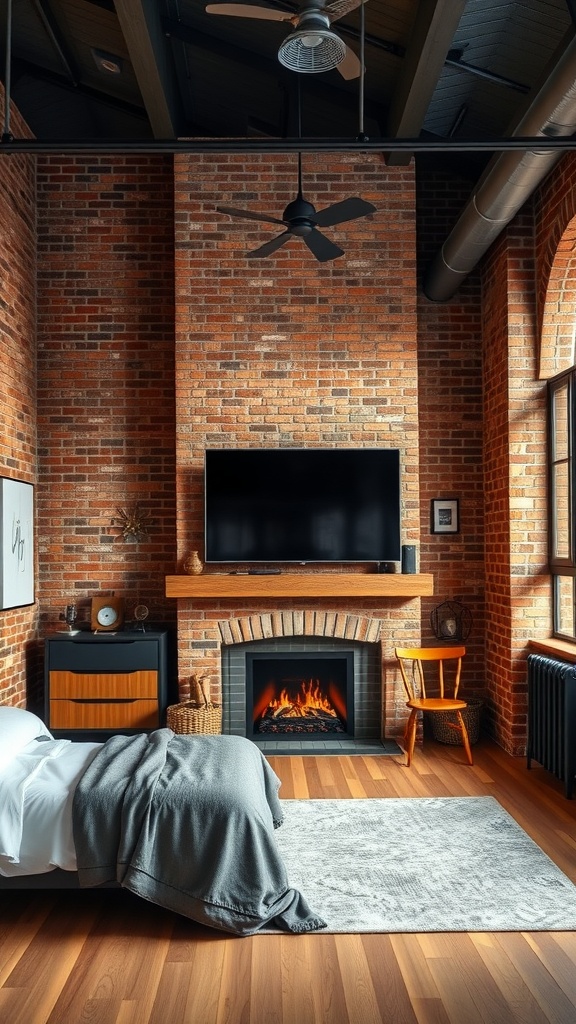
(298, 695)
(349, 675)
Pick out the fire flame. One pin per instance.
(310, 698)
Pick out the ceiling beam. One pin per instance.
(430, 42)
(57, 40)
(142, 30)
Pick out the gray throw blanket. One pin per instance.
(188, 822)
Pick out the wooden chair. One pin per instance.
(411, 666)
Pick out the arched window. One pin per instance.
(558, 366)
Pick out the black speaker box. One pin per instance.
(409, 558)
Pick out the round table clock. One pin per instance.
(107, 613)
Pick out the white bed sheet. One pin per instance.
(36, 794)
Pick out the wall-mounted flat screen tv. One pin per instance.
(302, 505)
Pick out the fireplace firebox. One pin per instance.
(297, 695)
(354, 691)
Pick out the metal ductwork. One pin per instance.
(508, 181)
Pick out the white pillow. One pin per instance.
(17, 729)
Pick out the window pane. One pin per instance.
(560, 511)
(564, 591)
(560, 423)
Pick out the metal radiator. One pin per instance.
(552, 717)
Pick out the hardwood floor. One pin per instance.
(109, 958)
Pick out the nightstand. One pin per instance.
(97, 684)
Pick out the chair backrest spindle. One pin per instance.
(421, 655)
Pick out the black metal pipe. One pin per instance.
(537, 143)
(6, 134)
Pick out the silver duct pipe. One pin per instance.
(507, 182)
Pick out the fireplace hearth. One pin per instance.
(295, 695)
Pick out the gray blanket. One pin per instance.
(188, 822)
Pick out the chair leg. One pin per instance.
(410, 736)
(465, 739)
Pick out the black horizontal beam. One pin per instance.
(538, 143)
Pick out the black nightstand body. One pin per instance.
(98, 684)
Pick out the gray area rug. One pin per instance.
(446, 864)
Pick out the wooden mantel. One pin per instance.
(296, 585)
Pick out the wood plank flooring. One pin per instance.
(110, 958)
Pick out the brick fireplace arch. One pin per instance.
(214, 636)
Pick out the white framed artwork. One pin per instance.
(17, 552)
(445, 515)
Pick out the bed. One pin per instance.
(186, 822)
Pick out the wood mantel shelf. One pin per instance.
(290, 585)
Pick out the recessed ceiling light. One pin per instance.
(107, 62)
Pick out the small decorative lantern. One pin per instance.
(451, 621)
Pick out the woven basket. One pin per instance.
(197, 715)
(441, 720)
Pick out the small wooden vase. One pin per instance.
(193, 565)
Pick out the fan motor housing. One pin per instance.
(299, 216)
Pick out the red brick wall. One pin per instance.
(505, 482)
(451, 426)
(106, 409)
(18, 627)
(279, 352)
(289, 352)
(518, 588)
(520, 308)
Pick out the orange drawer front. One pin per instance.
(103, 685)
(122, 714)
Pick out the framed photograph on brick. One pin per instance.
(17, 539)
(445, 515)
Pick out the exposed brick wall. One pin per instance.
(289, 352)
(527, 297)
(518, 586)
(451, 426)
(278, 352)
(106, 409)
(18, 627)
(505, 482)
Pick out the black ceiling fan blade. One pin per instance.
(322, 248)
(269, 247)
(247, 215)
(348, 209)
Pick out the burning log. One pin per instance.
(309, 700)
(307, 711)
(293, 711)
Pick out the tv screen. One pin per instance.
(302, 505)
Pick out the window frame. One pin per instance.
(562, 568)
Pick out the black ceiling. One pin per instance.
(129, 70)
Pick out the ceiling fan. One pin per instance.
(312, 47)
(301, 219)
